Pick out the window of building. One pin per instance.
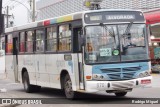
(51, 39)
(64, 38)
(29, 41)
(9, 44)
(40, 40)
(22, 42)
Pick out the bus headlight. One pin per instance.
(143, 74)
(140, 75)
(147, 73)
(99, 77)
(95, 76)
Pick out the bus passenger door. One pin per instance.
(15, 58)
(77, 33)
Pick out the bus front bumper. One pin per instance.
(95, 86)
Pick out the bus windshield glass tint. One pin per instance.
(115, 43)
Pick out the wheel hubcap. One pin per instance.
(68, 88)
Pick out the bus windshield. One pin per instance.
(115, 43)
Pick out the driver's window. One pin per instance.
(89, 47)
(94, 38)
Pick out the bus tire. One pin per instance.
(69, 93)
(120, 94)
(26, 83)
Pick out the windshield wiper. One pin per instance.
(112, 34)
(125, 34)
(127, 29)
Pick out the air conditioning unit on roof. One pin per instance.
(93, 4)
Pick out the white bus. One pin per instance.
(91, 51)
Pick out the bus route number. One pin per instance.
(101, 85)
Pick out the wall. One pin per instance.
(54, 8)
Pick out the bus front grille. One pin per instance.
(119, 76)
(121, 73)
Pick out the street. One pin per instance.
(14, 90)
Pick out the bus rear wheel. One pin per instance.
(27, 86)
(120, 94)
(70, 94)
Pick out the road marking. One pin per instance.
(10, 84)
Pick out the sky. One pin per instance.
(20, 13)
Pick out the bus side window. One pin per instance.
(22, 42)
(51, 39)
(40, 40)
(29, 41)
(9, 44)
(64, 38)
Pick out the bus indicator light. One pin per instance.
(88, 77)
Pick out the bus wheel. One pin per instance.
(120, 94)
(70, 94)
(27, 87)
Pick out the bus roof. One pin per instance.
(65, 18)
(46, 22)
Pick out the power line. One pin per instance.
(13, 3)
(18, 4)
(6, 2)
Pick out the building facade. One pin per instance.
(54, 8)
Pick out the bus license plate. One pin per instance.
(148, 81)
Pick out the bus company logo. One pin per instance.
(6, 101)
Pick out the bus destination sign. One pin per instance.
(119, 17)
(111, 17)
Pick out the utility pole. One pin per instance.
(34, 11)
(33, 8)
(7, 16)
(1, 17)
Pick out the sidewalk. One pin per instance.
(2, 76)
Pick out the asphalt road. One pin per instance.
(87, 100)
